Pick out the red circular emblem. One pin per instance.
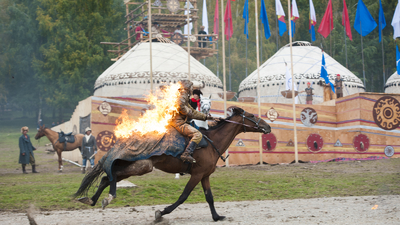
(314, 143)
(269, 142)
(105, 140)
(361, 143)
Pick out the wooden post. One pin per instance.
(127, 25)
(223, 67)
(151, 56)
(296, 154)
(258, 80)
(188, 36)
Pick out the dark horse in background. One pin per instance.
(221, 135)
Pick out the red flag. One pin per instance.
(228, 21)
(345, 18)
(326, 25)
(216, 20)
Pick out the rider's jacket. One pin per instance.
(186, 112)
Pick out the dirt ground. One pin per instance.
(344, 210)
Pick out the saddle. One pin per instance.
(66, 138)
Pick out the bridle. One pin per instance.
(257, 123)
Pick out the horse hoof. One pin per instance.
(104, 203)
(158, 215)
(219, 218)
(60, 171)
(86, 200)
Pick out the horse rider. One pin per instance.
(184, 114)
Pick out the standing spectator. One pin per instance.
(195, 101)
(88, 148)
(309, 92)
(53, 124)
(202, 40)
(339, 86)
(138, 30)
(26, 151)
(178, 29)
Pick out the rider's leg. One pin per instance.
(189, 131)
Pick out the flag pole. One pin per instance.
(150, 41)
(362, 55)
(277, 38)
(246, 56)
(383, 65)
(229, 52)
(223, 69)
(188, 36)
(296, 156)
(345, 42)
(258, 81)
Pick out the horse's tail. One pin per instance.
(89, 180)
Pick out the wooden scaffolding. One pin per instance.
(168, 15)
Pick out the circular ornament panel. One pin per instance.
(308, 117)
(314, 143)
(361, 143)
(268, 141)
(105, 140)
(173, 6)
(386, 113)
(389, 151)
(177, 38)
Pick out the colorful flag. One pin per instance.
(312, 21)
(346, 21)
(326, 25)
(281, 17)
(324, 73)
(216, 19)
(294, 15)
(264, 20)
(246, 18)
(364, 23)
(397, 60)
(205, 16)
(228, 21)
(396, 21)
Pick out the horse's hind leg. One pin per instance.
(194, 180)
(93, 200)
(205, 182)
(124, 170)
(60, 165)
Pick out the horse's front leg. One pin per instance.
(60, 165)
(205, 182)
(194, 180)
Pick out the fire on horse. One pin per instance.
(59, 147)
(220, 138)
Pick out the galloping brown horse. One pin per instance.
(221, 135)
(57, 146)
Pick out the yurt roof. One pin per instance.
(393, 81)
(306, 65)
(169, 62)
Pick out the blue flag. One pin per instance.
(398, 60)
(324, 73)
(382, 22)
(364, 23)
(246, 18)
(264, 20)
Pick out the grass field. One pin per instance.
(50, 190)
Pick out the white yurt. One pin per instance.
(306, 68)
(393, 84)
(130, 77)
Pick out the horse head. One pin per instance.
(205, 104)
(40, 132)
(250, 122)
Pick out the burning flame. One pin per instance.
(375, 207)
(164, 105)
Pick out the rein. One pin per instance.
(234, 122)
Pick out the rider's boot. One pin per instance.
(34, 169)
(23, 169)
(187, 155)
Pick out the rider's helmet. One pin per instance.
(186, 85)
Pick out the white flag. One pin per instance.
(205, 19)
(185, 28)
(396, 22)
